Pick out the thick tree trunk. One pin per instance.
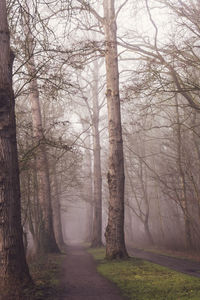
(48, 241)
(115, 244)
(14, 271)
(97, 178)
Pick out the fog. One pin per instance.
(75, 224)
(158, 58)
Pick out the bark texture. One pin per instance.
(14, 273)
(115, 244)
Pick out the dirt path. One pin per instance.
(81, 280)
(178, 264)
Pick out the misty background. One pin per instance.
(159, 59)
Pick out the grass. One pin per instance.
(45, 271)
(142, 280)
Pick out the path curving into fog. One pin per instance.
(81, 280)
(185, 266)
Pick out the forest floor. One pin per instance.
(78, 275)
(81, 279)
(136, 279)
(183, 265)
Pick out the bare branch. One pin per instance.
(91, 10)
(120, 8)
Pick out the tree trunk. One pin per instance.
(97, 178)
(57, 211)
(148, 232)
(88, 185)
(183, 196)
(115, 243)
(14, 272)
(48, 241)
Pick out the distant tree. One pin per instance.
(56, 205)
(47, 236)
(97, 218)
(137, 180)
(170, 65)
(167, 69)
(14, 272)
(90, 92)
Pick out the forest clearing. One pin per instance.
(99, 146)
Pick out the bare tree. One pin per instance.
(47, 237)
(14, 270)
(97, 221)
(90, 92)
(115, 244)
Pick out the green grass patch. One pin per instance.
(140, 279)
(46, 274)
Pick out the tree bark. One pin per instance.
(14, 272)
(97, 178)
(115, 243)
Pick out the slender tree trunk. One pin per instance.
(88, 192)
(183, 196)
(143, 178)
(148, 232)
(97, 220)
(90, 195)
(14, 271)
(48, 241)
(158, 201)
(36, 213)
(57, 212)
(115, 243)
(195, 122)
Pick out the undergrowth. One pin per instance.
(45, 271)
(142, 280)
